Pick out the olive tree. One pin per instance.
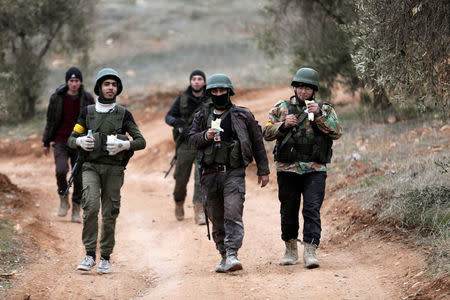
(403, 46)
(310, 33)
(397, 49)
(30, 31)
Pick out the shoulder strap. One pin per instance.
(120, 114)
(90, 120)
(292, 108)
(210, 116)
(184, 105)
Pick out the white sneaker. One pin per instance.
(104, 266)
(87, 263)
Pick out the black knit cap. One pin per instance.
(199, 73)
(74, 72)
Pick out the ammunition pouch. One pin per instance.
(126, 154)
(304, 150)
(228, 154)
(236, 159)
(208, 155)
(99, 147)
(322, 149)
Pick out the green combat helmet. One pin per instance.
(308, 76)
(109, 73)
(220, 81)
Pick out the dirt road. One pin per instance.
(157, 257)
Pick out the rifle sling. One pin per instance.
(289, 134)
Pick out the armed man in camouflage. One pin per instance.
(228, 138)
(304, 129)
(100, 136)
(180, 117)
(62, 113)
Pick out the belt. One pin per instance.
(216, 168)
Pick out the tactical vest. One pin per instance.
(111, 124)
(184, 113)
(297, 146)
(229, 153)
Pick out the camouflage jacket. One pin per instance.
(326, 121)
(248, 132)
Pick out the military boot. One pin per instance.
(232, 263)
(199, 214)
(179, 210)
(76, 213)
(63, 206)
(309, 256)
(220, 268)
(291, 253)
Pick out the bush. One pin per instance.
(427, 210)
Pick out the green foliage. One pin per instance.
(311, 34)
(426, 209)
(403, 46)
(397, 49)
(30, 31)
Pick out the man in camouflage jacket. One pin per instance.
(302, 150)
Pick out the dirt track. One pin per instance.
(157, 257)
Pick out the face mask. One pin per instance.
(221, 102)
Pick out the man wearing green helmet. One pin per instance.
(304, 130)
(228, 138)
(100, 136)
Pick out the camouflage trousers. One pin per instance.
(101, 187)
(186, 157)
(224, 196)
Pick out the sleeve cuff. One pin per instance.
(282, 129)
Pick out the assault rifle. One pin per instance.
(74, 172)
(172, 163)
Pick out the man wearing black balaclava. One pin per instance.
(227, 138)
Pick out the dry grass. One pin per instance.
(406, 178)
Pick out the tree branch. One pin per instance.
(50, 40)
(330, 13)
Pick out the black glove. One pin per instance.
(179, 123)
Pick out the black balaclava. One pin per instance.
(221, 102)
(102, 99)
